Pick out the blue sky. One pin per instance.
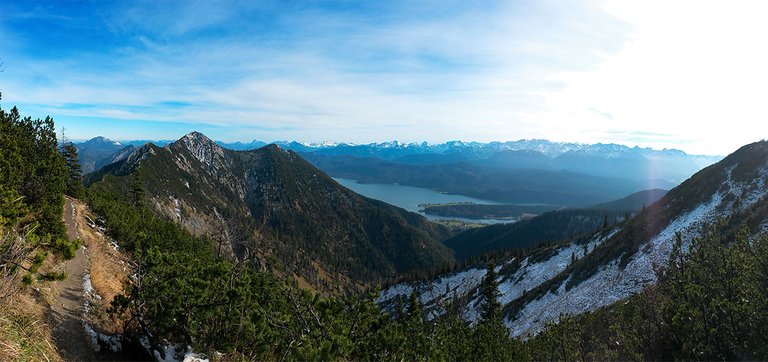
(650, 73)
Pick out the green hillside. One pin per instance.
(271, 204)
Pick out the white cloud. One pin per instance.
(693, 69)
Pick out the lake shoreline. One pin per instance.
(410, 197)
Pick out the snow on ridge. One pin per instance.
(438, 290)
(749, 194)
(611, 283)
(465, 283)
(533, 275)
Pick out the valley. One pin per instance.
(282, 248)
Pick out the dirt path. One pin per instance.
(67, 309)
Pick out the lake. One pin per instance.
(409, 198)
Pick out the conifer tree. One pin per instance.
(137, 188)
(74, 171)
(490, 295)
(491, 336)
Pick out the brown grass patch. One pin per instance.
(303, 283)
(25, 334)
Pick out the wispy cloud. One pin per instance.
(361, 72)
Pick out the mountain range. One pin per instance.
(518, 172)
(511, 154)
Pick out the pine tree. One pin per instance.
(137, 189)
(74, 177)
(491, 337)
(490, 295)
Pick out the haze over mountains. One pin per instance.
(522, 172)
(511, 154)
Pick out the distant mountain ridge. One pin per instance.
(610, 160)
(394, 149)
(271, 203)
(520, 172)
(94, 150)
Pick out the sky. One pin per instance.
(690, 75)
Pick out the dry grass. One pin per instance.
(303, 283)
(109, 270)
(25, 334)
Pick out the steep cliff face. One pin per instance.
(584, 274)
(272, 204)
(120, 155)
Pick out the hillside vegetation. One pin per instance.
(707, 305)
(231, 308)
(553, 226)
(33, 179)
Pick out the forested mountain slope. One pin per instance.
(634, 202)
(550, 226)
(272, 204)
(593, 271)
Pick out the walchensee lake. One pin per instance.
(409, 198)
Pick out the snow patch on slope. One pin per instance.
(113, 343)
(748, 194)
(177, 208)
(173, 353)
(530, 276)
(437, 292)
(88, 286)
(465, 283)
(612, 283)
